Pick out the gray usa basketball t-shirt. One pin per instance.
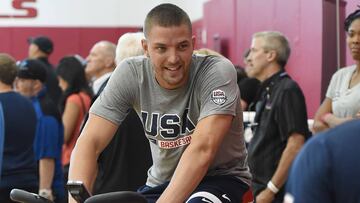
(170, 116)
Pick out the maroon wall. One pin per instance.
(66, 40)
(219, 22)
(301, 21)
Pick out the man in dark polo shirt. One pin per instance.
(281, 120)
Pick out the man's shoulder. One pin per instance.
(287, 83)
(135, 65)
(210, 64)
(136, 60)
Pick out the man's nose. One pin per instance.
(173, 56)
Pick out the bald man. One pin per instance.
(100, 64)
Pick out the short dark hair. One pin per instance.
(8, 69)
(350, 18)
(44, 43)
(166, 15)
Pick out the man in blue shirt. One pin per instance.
(49, 133)
(327, 168)
(18, 163)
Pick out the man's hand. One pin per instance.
(46, 193)
(265, 196)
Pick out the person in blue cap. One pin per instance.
(49, 133)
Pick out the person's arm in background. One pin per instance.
(244, 104)
(324, 118)
(293, 146)
(205, 141)
(319, 123)
(46, 174)
(69, 119)
(331, 120)
(95, 136)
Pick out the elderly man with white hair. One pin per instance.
(129, 44)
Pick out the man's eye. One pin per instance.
(183, 46)
(160, 49)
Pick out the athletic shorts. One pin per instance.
(212, 189)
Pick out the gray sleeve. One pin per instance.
(118, 96)
(219, 93)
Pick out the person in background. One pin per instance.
(129, 45)
(41, 47)
(49, 137)
(207, 52)
(281, 121)
(74, 104)
(190, 109)
(121, 165)
(342, 101)
(18, 166)
(100, 65)
(240, 73)
(327, 168)
(248, 86)
(248, 91)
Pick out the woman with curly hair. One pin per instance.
(342, 102)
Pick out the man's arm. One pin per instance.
(293, 146)
(319, 124)
(197, 157)
(46, 174)
(95, 136)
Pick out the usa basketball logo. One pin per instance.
(218, 97)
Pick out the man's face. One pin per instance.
(33, 49)
(257, 59)
(26, 87)
(353, 39)
(170, 50)
(95, 62)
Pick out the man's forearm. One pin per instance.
(295, 142)
(193, 167)
(83, 164)
(96, 134)
(46, 172)
(197, 158)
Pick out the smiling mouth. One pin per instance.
(173, 68)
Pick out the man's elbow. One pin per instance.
(295, 143)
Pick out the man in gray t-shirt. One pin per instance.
(190, 109)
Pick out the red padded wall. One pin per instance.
(66, 40)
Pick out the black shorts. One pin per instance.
(213, 189)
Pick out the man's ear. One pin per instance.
(38, 85)
(145, 47)
(193, 41)
(272, 55)
(110, 62)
